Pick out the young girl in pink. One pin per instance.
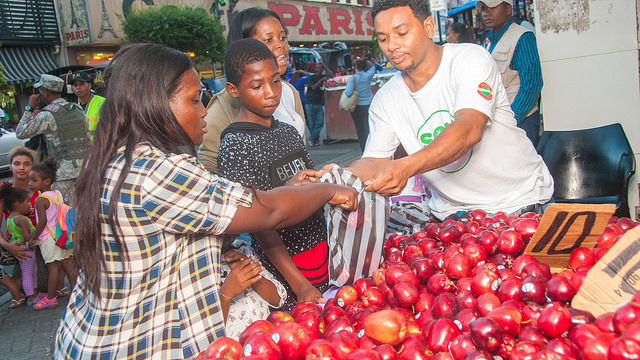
(41, 177)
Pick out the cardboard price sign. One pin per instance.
(565, 227)
(614, 279)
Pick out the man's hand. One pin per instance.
(390, 178)
(34, 100)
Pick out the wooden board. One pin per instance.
(565, 227)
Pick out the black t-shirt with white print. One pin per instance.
(267, 157)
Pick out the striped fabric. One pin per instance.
(526, 61)
(25, 64)
(355, 237)
(408, 218)
(160, 301)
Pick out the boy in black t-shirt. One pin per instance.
(261, 152)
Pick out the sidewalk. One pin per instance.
(26, 333)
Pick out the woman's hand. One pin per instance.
(17, 251)
(305, 177)
(345, 196)
(309, 293)
(245, 273)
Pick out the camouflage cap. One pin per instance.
(50, 82)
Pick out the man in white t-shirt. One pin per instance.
(449, 110)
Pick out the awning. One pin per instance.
(464, 7)
(25, 64)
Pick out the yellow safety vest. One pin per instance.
(93, 112)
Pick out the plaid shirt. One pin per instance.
(164, 303)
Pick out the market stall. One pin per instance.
(482, 288)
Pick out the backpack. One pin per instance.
(73, 132)
(65, 223)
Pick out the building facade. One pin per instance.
(59, 36)
(30, 40)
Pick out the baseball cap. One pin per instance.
(50, 82)
(79, 75)
(492, 3)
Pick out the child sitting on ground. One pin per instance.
(264, 153)
(42, 175)
(16, 200)
(247, 288)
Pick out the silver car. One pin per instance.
(8, 141)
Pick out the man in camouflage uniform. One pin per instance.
(65, 129)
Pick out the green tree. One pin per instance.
(183, 28)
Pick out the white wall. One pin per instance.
(589, 56)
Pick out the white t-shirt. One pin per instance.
(502, 172)
(286, 111)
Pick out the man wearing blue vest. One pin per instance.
(513, 47)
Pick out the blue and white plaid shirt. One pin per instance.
(164, 303)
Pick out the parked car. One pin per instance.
(8, 141)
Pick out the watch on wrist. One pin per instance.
(28, 108)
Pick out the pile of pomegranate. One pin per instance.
(457, 290)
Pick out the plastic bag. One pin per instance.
(409, 210)
(355, 237)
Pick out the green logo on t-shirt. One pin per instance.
(426, 136)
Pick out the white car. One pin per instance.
(8, 141)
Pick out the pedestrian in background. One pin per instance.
(514, 49)
(299, 78)
(460, 33)
(361, 82)
(82, 86)
(3, 119)
(315, 100)
(65, 129)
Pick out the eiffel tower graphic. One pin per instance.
(74, 21)
(106, 23)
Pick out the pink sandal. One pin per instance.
(46, 303)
